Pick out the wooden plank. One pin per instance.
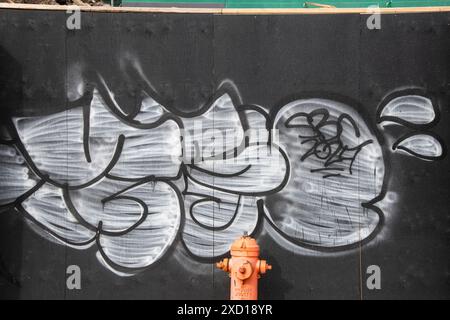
(255, 11)
(21, 6)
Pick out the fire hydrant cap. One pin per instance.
(245, 246)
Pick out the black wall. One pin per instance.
(271, 59)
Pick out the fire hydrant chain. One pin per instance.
(244, 268)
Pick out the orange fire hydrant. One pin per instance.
(244, 268)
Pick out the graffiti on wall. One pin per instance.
(137, 184)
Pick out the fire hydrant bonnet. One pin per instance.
(245, 247)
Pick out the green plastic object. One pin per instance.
(289, 3)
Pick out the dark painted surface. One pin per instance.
(271, 59)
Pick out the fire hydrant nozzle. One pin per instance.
(223, 265)
(244, 268)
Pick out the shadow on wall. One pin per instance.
(11, 226)
(272, 285)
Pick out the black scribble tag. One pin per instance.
(325, 137)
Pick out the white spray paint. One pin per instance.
(411, 108)
(417, 112)
(47, 207)
(149, 241)
(317, 208)
(15, 177)
(421, 145)
(145, 152)
(55, 143)
(215, 211)
(216, 131)
(135, 217)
